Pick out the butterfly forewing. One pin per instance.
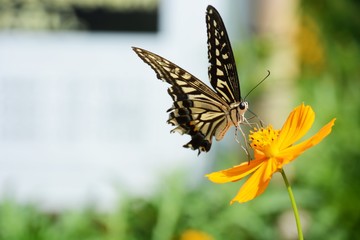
(222, 69)
(197, 110)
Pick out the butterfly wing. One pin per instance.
(197, 110)
(222, 70)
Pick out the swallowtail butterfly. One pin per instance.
(198, 110)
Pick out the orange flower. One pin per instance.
(272, 150)
(195, 235)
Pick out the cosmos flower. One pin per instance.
(272, 150)
(195, 235)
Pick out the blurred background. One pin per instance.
(85, 151)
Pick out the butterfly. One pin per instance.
(198, 110)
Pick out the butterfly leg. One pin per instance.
(245, 147)
(236, 136)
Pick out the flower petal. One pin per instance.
(235, 173)
(296, 126)
(291, 153)
(257, 183)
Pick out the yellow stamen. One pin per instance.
(263, 138)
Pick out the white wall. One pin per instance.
(81, 114)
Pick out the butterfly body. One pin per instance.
(198, 110)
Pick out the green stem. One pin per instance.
(293, 203)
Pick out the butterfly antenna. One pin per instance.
(258, 84)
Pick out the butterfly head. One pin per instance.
(237, 112)
(243, 106)
(241, 109)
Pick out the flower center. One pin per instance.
(262, 139)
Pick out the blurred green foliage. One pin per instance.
(331, 85)
(170, 212)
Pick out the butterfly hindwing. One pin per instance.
(222, 69)
(197, 110)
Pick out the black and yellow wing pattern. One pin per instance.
(198, 110)
(222, 69)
